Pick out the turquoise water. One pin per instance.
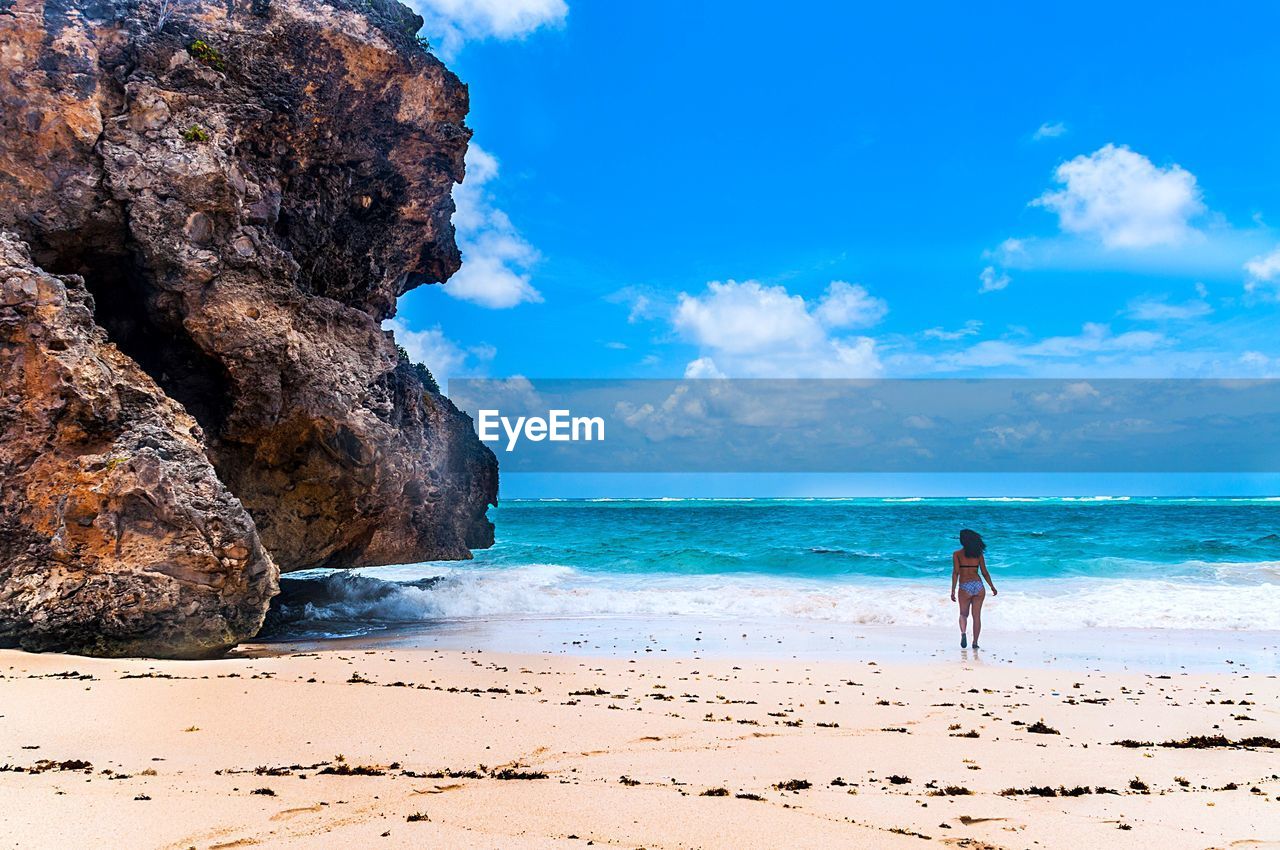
(1074, 563)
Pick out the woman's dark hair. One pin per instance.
(972, 543)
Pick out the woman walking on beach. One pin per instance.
(968, 569)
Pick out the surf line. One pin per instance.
(558, 426)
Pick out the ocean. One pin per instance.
(1060, 563)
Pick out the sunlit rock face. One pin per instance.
(231, 198)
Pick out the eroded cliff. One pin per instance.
(241, 190)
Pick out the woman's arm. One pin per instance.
(982, 562)
(955, 574)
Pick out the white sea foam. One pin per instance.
(1095, 498)
(551, 590)
(1254, 571)
(1009, 499)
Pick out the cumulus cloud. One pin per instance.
(496, 259)
(850, 305)
(703, 367)
(748, 329)
(1124, 200)
(442, 356)
(452, 23)
(1263, 271)
(992, 280)
(1049, 130)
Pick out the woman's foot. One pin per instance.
(964, 641)
(975, 644)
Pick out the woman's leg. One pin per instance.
(964, 610)
(976, 601)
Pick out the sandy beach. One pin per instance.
(425, 747)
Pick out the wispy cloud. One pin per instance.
(1162, 310)
(992, 280)
(1094, 350)
(496, 259)
(1263, 271)
(1049, 130)
(971, 328)
(450, 24)
(441, 355)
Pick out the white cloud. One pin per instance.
(1257, 364)
(643, 303)
(849, 305)
(1263, 270)
(641, 309)
(1094, 346)
(1125, 201)
(452, 23)
(1012, 436)
(971, 327)
(442, 356)
(1012, 247)
(751, 330)
(1072, 396)
(496, 259)
(992, 280)
(703, 367)
(1160, 310)
(1049, 130)
(742, 318)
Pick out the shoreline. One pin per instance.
(1156, 650)
(433, 747)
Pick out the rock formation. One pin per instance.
(114, 527)
(238, 191)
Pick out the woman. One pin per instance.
(967, 563)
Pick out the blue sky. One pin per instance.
(842, 190)
(640, 151)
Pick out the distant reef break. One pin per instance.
(208, 211)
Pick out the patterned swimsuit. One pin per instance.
(973, 587)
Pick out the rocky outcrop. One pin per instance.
(116, 536)
(245, 188)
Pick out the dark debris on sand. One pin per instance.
(1203, 742)
(794, 785)
(46, 765)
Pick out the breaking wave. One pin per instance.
(356, 603)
